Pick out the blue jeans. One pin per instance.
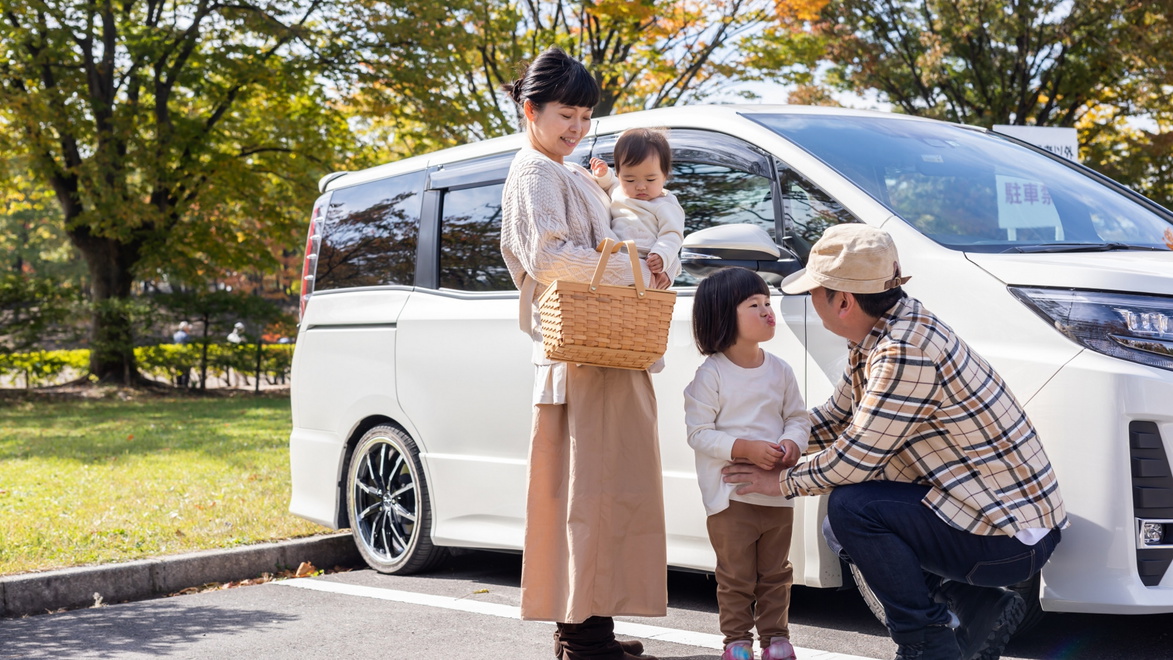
(904, 549)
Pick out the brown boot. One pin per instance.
(632, 647)
(594, 639)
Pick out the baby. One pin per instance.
(641, 210)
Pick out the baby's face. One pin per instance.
(643, 181)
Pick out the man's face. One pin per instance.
(827, 310)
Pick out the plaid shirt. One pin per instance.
(917, 405)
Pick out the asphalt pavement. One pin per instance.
(27, 594)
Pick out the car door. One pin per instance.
(718, 179)
(464, 367)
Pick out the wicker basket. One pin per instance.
(606, 325)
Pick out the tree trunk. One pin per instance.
(112, 332)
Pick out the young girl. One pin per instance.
(744, 405)
(641, 210)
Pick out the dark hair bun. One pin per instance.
(555, 77)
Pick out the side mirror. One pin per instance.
(706, 251)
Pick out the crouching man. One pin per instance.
(940, 491)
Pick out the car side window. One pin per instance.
(720, 195)
(807, 212)
(470, 240)
(718, 179)
(371, 233)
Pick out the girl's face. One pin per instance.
(556, 129)
(643, 181)
(755, 319)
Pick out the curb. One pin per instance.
(70, 588)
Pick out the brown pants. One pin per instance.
(754, 573)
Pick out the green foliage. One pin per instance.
(159, 476)
(43, 367)
(180, 139)
(1034, 62)
(36, 312)
(412, 85)
(163, 362)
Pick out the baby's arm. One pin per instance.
(670, 225)
(602, 173)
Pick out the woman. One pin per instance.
(594, 535)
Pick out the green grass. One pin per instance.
(107, 480)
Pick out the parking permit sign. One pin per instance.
(1059, 141)
(1025, 203)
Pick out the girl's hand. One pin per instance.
(790, 454)
(655, 263)
(759, 452)
(598, 167)
(660, 281)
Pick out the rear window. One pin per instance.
(371, 234)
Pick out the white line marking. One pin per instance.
(644, 631)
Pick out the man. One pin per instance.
(940, 491)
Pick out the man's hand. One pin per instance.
(598, 167)
(753, 478)
(759, 452)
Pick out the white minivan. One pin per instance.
(411, 381)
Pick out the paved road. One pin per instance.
(468, 610)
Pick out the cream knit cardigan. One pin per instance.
(551, 222)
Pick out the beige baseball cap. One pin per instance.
(850, 257)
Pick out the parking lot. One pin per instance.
(468, 608)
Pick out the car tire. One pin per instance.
(1029, 590)
(869, 598)
(389, 505)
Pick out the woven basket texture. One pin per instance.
(609, 327)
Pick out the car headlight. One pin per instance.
(1137, 328)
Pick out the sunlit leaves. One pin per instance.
(432, 76)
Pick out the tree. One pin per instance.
(1100, 66)
(431, 74)
(1041, 62)
(173, 135)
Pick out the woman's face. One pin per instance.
(556, 129)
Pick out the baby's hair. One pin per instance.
(636, 145)
(714, 309)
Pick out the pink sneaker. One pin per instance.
(738, 651)
(779, 649)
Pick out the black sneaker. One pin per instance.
(932, 643)
(989, 616)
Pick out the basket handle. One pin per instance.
(607, 247)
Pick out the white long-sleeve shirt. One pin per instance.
(725, 402)
(656, 225)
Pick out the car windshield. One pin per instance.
(973, 191)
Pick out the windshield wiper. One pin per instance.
(1081, 247)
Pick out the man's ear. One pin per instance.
(847, 304)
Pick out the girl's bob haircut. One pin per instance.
(714, 309)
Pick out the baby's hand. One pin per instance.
(759, 452)
(655, 263)
(598, 167)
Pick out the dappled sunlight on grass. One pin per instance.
(100, 481)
